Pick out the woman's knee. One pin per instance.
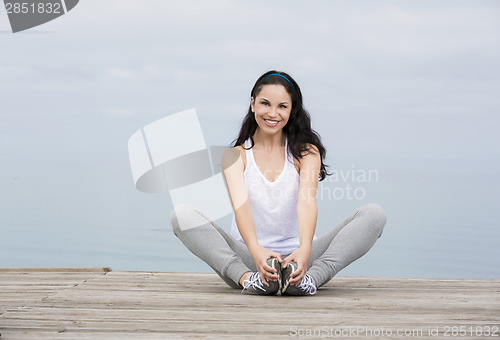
(377, 216)
(180, 217)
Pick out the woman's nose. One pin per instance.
(273, 112)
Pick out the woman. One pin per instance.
(272, 173)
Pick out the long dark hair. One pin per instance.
(298, 128)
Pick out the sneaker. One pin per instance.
(305, 287)
(254, 283)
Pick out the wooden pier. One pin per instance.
(97, 303)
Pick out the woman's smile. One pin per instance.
(271, 122)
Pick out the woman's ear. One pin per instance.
(252, 104)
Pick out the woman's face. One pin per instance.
(272, 107)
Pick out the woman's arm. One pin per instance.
(233, 167)
(307, 212)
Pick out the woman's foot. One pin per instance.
(305, 287)
(253, 283)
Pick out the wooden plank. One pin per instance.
(21, 286)
(148, 305)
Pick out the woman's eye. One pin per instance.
(283, 106)
(264, 103)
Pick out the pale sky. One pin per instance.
(382, 80)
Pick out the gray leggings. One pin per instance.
(230, 258)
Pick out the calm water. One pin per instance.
(443, 217)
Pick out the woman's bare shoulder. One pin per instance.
(231, 155)
(310, 156)
(311, 150)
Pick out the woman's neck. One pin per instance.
(269, 142)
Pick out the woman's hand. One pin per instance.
(260, 256)
(299, 256)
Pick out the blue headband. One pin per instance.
(280, 75)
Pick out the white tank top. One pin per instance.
(273, 204)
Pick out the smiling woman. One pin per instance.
(272, 174)
(272, 111)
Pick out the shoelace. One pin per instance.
(307, 285)
(253, 281)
